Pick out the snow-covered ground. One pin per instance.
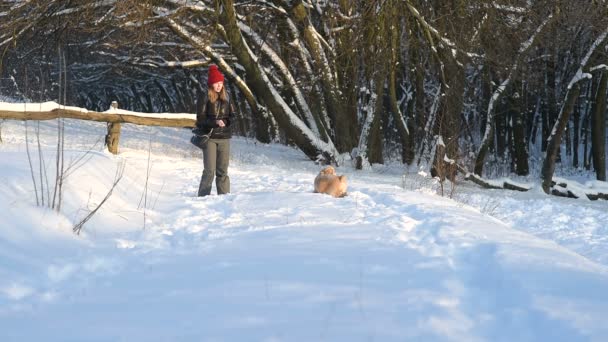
(273, 261)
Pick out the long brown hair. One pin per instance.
(212, 95)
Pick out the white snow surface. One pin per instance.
(273, 261)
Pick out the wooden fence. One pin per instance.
(114, 117)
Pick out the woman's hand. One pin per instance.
(220, 123)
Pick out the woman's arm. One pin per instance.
(201, 110)
(231, 113)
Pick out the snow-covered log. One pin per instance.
(501, 184)
(563, 188)
(559, 187)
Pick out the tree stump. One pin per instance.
(113, 136)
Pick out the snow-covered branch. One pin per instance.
(599, 67)
(510, 9)
(432, 30)
(286, 74)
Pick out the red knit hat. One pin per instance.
(214, 75)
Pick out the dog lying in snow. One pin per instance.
(327, 182)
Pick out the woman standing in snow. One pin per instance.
(214, 116)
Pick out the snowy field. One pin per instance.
(272, 261)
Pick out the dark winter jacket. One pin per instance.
(207, 113)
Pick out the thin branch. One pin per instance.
(117, 177)
(29, 159)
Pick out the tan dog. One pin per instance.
(327, 182)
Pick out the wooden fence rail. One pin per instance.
(114, 117)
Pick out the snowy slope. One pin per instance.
(275, 262)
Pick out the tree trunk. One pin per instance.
(519, 144)
(502, 133)
(576, 117)
(545, 125)
(586, 131)
(598, 129)
(448, 120)
(407, 150)
(370, 109)
(348, 66)
(568, 138)
(374, 150)
(551, 101)
(418, 106)
(586, 161)
(242, 124)
(554, 140)
(487, 122)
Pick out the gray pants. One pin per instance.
(216, 155)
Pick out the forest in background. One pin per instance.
(452, 84)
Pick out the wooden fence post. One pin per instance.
(113, 136)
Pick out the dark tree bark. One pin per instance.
(554, 139)
(448, 121)
(502, 131)
(418, 108)
(407, 150)
(519, 144)
(598, 129)
(550, 101)
(586, 131)
(374, 151)
(242, 123)
(576, 118)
